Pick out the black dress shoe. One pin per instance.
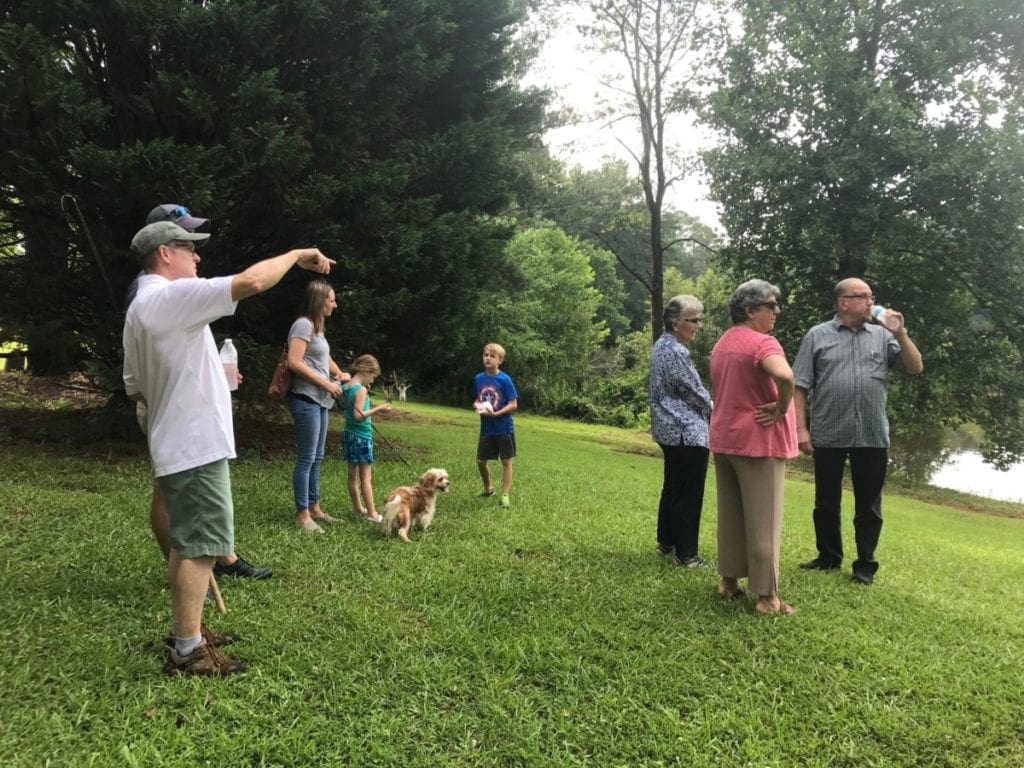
(817, 564)
(863, 577)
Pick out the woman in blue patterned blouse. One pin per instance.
(680, 413)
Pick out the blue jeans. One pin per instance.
(310, 439)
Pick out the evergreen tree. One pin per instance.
(388, 134)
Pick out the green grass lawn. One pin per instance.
(545, 635)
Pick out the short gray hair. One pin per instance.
(678, 306)
(752, 293)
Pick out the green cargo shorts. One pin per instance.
(200, 510)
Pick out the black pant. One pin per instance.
(867, 470)
(682, 498)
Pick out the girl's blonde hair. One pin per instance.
(366, 364)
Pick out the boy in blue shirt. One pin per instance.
(496, 399)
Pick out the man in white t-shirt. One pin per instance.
(226, 565)
(172, 364)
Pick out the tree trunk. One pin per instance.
(657, 274)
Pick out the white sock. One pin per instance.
(184, 646)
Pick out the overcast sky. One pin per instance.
(576, 77)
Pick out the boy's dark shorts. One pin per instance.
(496, 447)
(200, 511)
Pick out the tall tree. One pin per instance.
(389, 134)
(606, 207)
(883, 139)
(664, 45)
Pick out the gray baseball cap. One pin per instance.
(179, 214)
(151, 236)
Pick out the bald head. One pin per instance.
(853, 299)
(850, 286)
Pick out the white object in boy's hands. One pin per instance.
(484, 406)
(883, 316)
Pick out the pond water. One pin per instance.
(967, 472)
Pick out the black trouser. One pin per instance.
(682, 498)
(867, 470)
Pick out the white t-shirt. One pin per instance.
(170, 358)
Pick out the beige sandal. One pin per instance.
(784, 609)
(309, 525)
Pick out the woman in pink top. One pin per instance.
(753, 433)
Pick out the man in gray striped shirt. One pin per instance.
(841, 373)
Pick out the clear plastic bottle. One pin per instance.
(886, 318)
(229, 358)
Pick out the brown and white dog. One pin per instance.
(412, 506)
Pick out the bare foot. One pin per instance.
(730, 589)
(770, 606)
(733, 593)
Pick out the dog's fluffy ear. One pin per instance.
(430, 478)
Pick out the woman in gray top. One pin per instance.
(680, 411)
(317, 381)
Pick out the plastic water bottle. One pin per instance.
(229, 358)
(884, 317)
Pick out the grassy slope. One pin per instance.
(549, 634)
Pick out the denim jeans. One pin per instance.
(310, 439)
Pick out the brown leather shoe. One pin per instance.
(204, 660)
(216, 639)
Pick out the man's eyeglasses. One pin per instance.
(861, 296)
(190, 247)
(694, 320)
(772, 305)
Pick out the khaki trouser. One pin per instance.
(750, 519)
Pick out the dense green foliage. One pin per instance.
(606, 207)
(545, 635)
(885, 139)
(388, 134)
